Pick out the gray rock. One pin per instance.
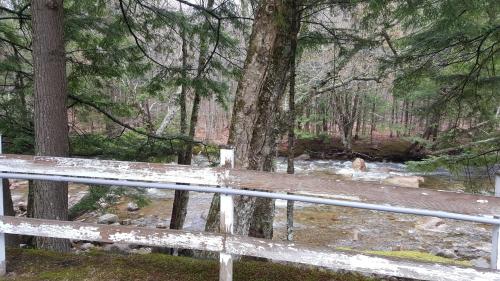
(132, 207)
(359, 165)
(86, 246)
(431, 224)
(162, 226)
(107, 219)
(445, 253)
(480, 262)
(117, 248)
(405, 181)
(126, 222)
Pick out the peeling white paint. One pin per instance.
(481, 201)
(225, 258)
(181, 240)
(282, 251)
(56, 231)
(91, 168)
(226, 213)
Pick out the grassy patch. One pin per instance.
(411, 255)
(37, 265)
(419, 256)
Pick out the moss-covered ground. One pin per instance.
(37, 265)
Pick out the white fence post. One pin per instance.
(3, 269)
(495, 250)
(226, 219)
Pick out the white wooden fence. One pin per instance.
(225, 242)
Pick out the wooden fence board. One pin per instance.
(239, 245)
(272, 182)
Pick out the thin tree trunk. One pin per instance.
(291, 122)
(358, 119)
(181, 198)
(372, 126)
(11, 240)
(392, 116)
(51, 120)
(182, 95)
(406, 117)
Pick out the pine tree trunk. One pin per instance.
(182, 95)
(51, 121)
(291, 122)
(11, 240)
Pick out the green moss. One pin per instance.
(419, 256)
(411, 255)
(37, 265)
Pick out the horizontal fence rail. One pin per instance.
(316, 186)
(229, 182)
(264, 194)
(239, 245)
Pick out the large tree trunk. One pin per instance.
(51, 121)
(257, 100)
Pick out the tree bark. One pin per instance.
(259, 92)
(392, 117)
(11, 240)
(51, 121)
(372, 125)
(292, 118)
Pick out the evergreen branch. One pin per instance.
(216, 45)
(14, 44)
(129, 127)
(463, 146)
(201, 8)
(389, 42)
(138, 41)
(19, 13)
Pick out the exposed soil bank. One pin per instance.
(37, 265)
(389, 149)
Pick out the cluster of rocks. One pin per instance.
(114, 219)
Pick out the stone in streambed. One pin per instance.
(405, 181)
(107, 219)
(359, 165)
(132, 207)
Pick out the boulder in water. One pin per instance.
(405, 181)
(431, 224)
(359, 165)
(303, 157)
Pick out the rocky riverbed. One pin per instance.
(328, 226)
